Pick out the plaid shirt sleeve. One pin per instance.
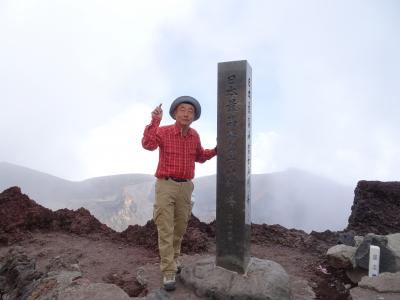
(204, 154)
(150, 140)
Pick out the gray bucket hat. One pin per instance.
(186, 99)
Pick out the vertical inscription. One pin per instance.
(248, 142)
(232, 109)
(233, 165)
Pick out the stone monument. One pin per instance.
(232, 274)
(233, 165)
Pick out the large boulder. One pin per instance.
(384, 286)
(341, 256)
(376, 208)
(389, 252)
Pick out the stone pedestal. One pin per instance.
(264, 280)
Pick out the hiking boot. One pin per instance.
(169, 282)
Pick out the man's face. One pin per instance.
(184, 114)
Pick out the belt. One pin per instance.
(177, 179)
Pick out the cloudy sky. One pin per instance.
(78, 80)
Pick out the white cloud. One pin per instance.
(325, 81)
(67, 67)
(265, 153)
(115, 146)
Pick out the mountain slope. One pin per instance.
(293, 198)
(118, 200)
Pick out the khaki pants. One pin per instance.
(171, 214)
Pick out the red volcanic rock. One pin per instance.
(79, 221)
(376, 208)
(208, 229)
(145, 236)
(20, 215)
(318, 242)
(195, 239)
(17, 211)
(277, 234)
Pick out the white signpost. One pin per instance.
(373, 268)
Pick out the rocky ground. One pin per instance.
(129, 259)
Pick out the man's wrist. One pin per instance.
(155, 119)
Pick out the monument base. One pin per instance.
(264, 279)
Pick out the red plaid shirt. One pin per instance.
(178, 153)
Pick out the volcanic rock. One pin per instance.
(376, 208)
(20, 215)
(341, 256)
(318, 242)
(195, 239)
(384, 286)
(17, 275)
(19, 279)
(387, 257)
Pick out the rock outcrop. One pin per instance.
(17, 276)
(194, 241)
(20, 215)
(376, 208)
(355, 260)
(349, 257)
(317, 242)
(19, 279)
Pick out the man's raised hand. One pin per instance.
(157, 111)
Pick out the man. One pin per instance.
(179, 148)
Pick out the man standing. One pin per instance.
(179, 148)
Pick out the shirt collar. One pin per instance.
(177, 130)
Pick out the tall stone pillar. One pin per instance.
(233, 165)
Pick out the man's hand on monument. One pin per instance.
(158, 112)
